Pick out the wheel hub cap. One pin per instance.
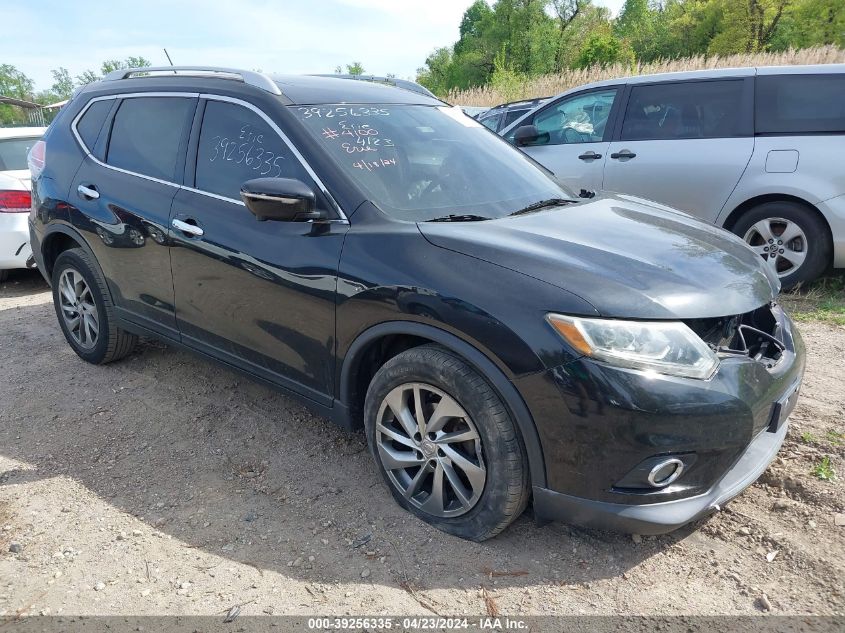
(430, 449)
(780, 242)
(78, 310)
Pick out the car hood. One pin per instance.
(628, 257)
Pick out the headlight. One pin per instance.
(666, 347)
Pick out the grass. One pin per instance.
(835, 437)
(548, 85)
(824, 470)
(822, 300)
(809, 438)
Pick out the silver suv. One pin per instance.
(757, 151)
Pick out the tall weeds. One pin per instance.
(547, 85)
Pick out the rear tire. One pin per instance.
(85, 311)
(803, 257)
(477, 450)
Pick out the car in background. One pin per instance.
(474, 111)
(754, 150)
(15, 144)
(501, 116)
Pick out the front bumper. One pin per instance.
(14, 241)
(659, 518)
(598, 424)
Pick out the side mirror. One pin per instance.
(281, 199)
(529, 135)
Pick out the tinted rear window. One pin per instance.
(146, 134)
(91, 122)
(796, 104)
(692, 109)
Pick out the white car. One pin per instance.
(15, 143)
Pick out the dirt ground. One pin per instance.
(163, 484)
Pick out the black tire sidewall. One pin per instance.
(505, 470)
(73, 259)
(819, 245)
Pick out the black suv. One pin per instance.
(401, 269)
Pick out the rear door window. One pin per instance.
(691, 109)
(92, 121)
(147, 133)
(236, 145)
(800, 104)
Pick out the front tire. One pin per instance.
(85, 311)
(792, 239)
(445, 443)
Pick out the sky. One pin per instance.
(281, 36)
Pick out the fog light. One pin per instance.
(665, 472)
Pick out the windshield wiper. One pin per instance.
(460, 218)
(542, 204)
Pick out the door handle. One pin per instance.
(589, 156)
(623, 154)
(187, 227)
(88, 192)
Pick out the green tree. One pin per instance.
(643, 25)
(603, 49)
(109, 65)
(62, 87)
(746, 26)
(355, 68)
(436, 74)
(15, 84)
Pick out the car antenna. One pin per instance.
(166, 54)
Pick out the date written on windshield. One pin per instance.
(373, 165)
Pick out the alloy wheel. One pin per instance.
(781, 242)
(78, 309)
(430, 449)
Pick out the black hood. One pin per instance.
(624, 255)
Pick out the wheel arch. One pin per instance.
(58, 239)
(734, 216)
(376, 345)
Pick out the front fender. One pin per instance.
(486, 366)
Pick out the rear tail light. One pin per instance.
(15, 201)
(36, 158)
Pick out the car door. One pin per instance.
(684, 144)
(257, 294)
(122, 194)
(574, 136)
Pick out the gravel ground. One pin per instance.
(163, 484)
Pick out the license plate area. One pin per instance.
(783, 407)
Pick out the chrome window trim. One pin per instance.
(210, 97)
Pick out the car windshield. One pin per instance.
(420, 163)
(13, 153)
